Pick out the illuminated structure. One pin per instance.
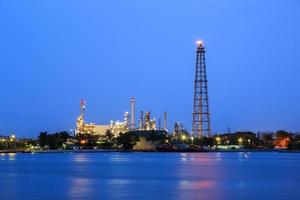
(201, 115)
(132, 113)
(178, 129)
(85, 128)
(101, 129)
(147, 124)
(117, 127)
(81, 126)
(10, 138)
(179, 132)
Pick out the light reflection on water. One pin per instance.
(118, 157)
(8, 156)
(80, 188)
(81, 157)
(198, 185)
(149, 176)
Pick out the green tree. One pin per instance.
(108, 141)
(109, 136)
(156, 136)
(282, 134)
(53, 141)
(203, 141)
(294, 143)
(248, 139)
(283, 139)
(127, 140)
(43, 139)
(267, 140)
(87, 141)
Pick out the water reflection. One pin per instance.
(2, 156)
(119, 181)
(183, 157)
(119, 157)
(199, 185)
(81, 157)
(175, 176)
(80, 188)
(12, 156)
(218, 156)
(198, 176)
(8, 156)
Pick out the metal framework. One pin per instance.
(201, 115)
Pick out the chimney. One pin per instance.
(165, 121)
(132, 113)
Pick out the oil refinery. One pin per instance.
(88, 128)
(116, 126)
(200, 116)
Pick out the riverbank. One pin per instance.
(178, 151)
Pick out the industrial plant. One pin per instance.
(201, 115)
(142, 132)
(88, 128)
(149, 129)
(116, 127)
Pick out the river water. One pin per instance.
(53, 176)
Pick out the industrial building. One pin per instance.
(201, 114)
(146, 123)
(88, 128)
(129, 122)
(117, 127)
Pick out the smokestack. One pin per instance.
(147, 121)
(141, 125)
(132, 113)
(82, 108)
(159, 124)
(165, 121)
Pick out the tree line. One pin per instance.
(161, 139)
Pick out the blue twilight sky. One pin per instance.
(55, 52)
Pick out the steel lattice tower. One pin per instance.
(201, 116)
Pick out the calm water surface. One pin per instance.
(150, 176)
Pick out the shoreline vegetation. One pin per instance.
(150, 151)
(152, 141)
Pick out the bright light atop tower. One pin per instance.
(199, 42)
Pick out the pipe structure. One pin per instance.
(132, 113)
(165, 121)
(141, 125)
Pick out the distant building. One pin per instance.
(101, 129)
(117, 127)
(84, 128)
(179, 130)
(4, 138)
(146, 124)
